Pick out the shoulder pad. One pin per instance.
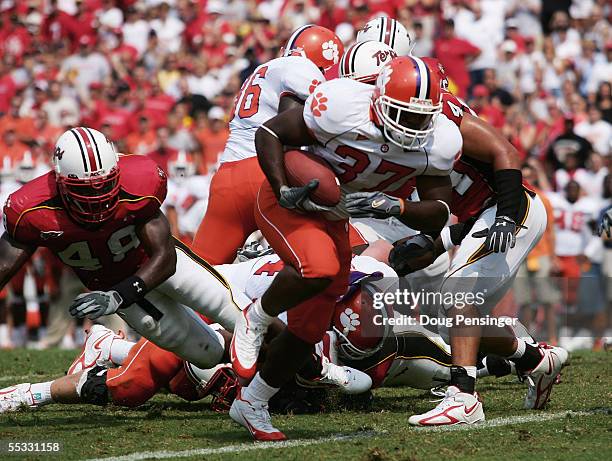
(142, 177)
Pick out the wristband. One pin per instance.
(131, 290)
(509, 188)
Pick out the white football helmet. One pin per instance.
(362, 61)
(388, 31)
(87, 174)
(26, 168)
(182, 166)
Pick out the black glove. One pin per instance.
(373, 205)
(606, 222)
(297, 198)
(500, 237)
(412, 254)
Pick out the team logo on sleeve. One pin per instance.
(315, 83)
(318, 104)
(330, 51)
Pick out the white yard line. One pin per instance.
(24, 378)
(236, 448)
(533, 417)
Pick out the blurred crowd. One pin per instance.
(159, 79)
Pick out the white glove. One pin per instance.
(95, 304)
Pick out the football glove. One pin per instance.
(606, 222)
(297, 198)
(373, 205)
(500, 237)
(412, 254)
(95, 304)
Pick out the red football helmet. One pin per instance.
(220, 382)
(407, 100)
(316, 43)
(87, 174)
(360, 326)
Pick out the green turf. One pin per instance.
(167, 423)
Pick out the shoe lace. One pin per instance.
(336, 374)
(262, 416)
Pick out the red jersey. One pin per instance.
(101, 257)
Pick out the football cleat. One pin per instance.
(256, 418)
(541, 379)
(246, 343)
(96, 350)
(456, 407)
(15, 397)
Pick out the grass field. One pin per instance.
(576, 425)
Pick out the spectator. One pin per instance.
(568, 143)
(455, 54)
(212, 133)
(85, 67)
(62, 110)
(143, 139)
(163, 152)
(597, 131)
(168, 28)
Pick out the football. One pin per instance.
(301, 167)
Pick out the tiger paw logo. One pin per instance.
(318, 104)
(330, 51)
(349, 320)
(315, 83)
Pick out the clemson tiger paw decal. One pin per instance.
(330, 51)
(315, 83)
(349, 319)
(318, 104)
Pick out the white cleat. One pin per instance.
(542, 378)
(15, 397)
(256, 418)
(96, 350)
(246, 343)
(455, 408)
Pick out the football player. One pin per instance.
(273, 87)
(364, 132)
(100, 215)
(510, 217)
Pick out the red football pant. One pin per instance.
(147, 369)
(317, 248)
(229, 218)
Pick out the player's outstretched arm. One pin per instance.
(286, 129)
(13, 255)
(157, 240)
(483, 142)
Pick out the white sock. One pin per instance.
(471, 371)
(259, 390)
(41, 393)
(119, 350)
(259, 315)
(520, 349)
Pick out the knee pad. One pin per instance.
(92, 386)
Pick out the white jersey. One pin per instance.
(259, 96)
(572, 231)
(339, 115)
(189, 197)
(7, 187)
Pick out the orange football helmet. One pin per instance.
(406, 100)
(316, 43)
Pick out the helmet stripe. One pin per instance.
(383, 22)
(291, 43)
(388, 29)
(353, 57)
(344, 69)
(90, 153)
(96, 145)
(85, 167)
(422, 78)
(393, 33)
